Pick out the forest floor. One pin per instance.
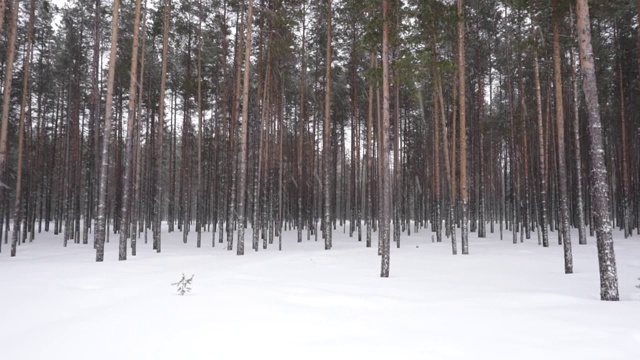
(503, 301)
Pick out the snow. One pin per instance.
(503, 301)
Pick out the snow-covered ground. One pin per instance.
(503, 301)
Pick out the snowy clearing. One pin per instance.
(503, 301)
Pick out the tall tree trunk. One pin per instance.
(369, 164)
(128, 159)
(482, 229)
(94, 117)
(436, 164)
(541, 154)
(242, 160)
(464, 198)
(301, 121)
(562, 166)
(448, 163)
(104, 167)
(138, 143)
(157, 239)
(326, 137)
(397, 207)
(598, 176)
(6, 99)
(231, 212)
(3, 6)
(200, 191)
(582, 237)
(626, 177)
(385, 178)
(26, 73)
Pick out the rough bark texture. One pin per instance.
(598, 171)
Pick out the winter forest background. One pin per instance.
(443, 126)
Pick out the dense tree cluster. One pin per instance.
(384, 116)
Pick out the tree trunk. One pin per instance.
(200, 190)
(157, 239)
(385, 178)
(326, 137)
(128, 159)
(582, 238)
(242, 157)
(301, 122)
(369, 163)
(562, 167)
(464, 198)
(6, 100)
(598, 176)
(541, 154)
(104, 167)
(17, 206)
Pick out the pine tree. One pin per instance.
(104, 167)
(598, 171)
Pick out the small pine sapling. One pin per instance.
(184, 285)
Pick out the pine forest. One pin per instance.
(248, 125)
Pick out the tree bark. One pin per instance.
(17, 206)
(326, 137)
(104, 167)
(598, 175)
(6, 99)
(464, 197)
(131, 118)
(582, 238)
(157, 231)
(385, 178)
(200, 190)
(562, 166)
(242, 157)
(541, 154)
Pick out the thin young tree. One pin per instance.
(598, 171)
